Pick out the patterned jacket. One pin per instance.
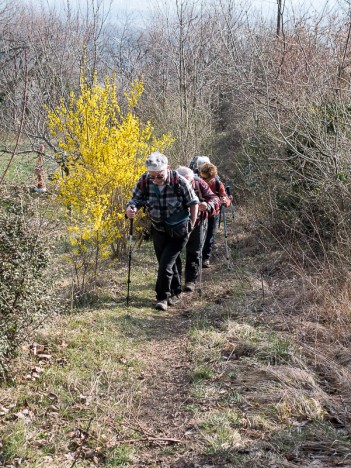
(204, 193)
(177, 195)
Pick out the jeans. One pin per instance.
(193, 253)
(167, 250)
(210, 237)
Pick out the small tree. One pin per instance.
(104, 151)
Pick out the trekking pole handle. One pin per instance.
(131, 227)
(227, 189)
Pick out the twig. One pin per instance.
(262, 283)
(19, 134)
(150, 439)
(79, 450)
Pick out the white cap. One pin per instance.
(202, 160)
(156, 162)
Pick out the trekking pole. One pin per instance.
(221, 213)
(227, 189)
(225, 236)
(130, 256)
(203, 232)
(200, 259)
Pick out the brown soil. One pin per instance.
(161, 415)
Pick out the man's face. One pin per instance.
(158, 177)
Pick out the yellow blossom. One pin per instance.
(103, 150)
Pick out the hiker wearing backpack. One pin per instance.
(196, 162)
(172, 207)
(208, 206)
(209, 174)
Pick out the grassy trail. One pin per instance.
(208, 383)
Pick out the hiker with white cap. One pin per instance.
(209, 174)
(172, 206)
(197, 162)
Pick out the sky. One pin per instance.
(138, 11)
(142, 7)
(267, 7)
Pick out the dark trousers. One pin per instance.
(167, 250)
(210, 237)
(193, 253)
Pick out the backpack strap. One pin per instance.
(175, 181)
(198, 188)
(217, 185)
(144, 184)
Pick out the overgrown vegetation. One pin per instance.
(25, 285)
(209, 383)
(262, 377)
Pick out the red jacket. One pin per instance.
(204, 193)
(220, 192)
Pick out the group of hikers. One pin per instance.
(183, 206)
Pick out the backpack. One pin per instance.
(217, 184)
(193, 162)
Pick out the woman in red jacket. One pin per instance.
(208, 172)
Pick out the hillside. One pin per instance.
(234, 376)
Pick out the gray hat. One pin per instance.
(156, 162)
(185, 172)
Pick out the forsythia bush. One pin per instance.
(104, 151)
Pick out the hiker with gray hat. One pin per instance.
(172, 206)
(197, 162)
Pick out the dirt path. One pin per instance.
(165, 414)
(161, 413)
(263, 405)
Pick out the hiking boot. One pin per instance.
(174, 300)
(162, 305)
(189, 286)
(206, 264)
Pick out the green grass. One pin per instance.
(21, 170)
(15, 441)
(119, 456)
(326, 438)
(220, 431)
(234, 369)
(265, 345)
(202, 373)
(99, 366)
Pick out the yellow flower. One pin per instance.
(104, 152)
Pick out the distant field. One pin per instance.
(21, 169)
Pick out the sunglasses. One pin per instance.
(159, 177)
